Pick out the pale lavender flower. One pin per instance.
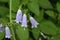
(1, 28)
(33, 22)
(7, 31)
(24, 21)
(19, 16)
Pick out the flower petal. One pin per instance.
(33, 22)
(19, 16)
(8, 34)
(24, 21)
(1, 28)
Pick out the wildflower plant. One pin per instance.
(33, 19)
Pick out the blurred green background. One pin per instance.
(46, 12)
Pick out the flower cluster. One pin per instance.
(23, 19)
(19, 19)
(7, 31)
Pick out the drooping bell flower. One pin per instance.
(33, 22)
(7, 33)
(24, 21)
(43, 35)
(19, 16)
(1, 28)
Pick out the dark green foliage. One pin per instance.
(45, 12)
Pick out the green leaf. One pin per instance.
(58, 26)
(48, 27)
(40, 17)
(15, 5)
(3, 11)
(30, 39)
(24, 1)
(4, 0)
(50, 13)
(35, 1)
(1, 35)
(12, 32)
(4, 20)
(59, 17)
(45, 4)
(21, 34)
(33, 7)
(58, 6)
(56, 37)
(36, 32)
(13, 16)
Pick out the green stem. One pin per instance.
(13, 34)
(11, 20)
(20, 6)
(10, 12)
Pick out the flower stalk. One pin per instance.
(10, 12)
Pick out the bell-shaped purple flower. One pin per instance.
(19, 16)
(33, 22)
(1, 28)
(7, 31)
(24, 21)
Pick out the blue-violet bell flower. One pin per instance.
(7, 31)
(19, 16)
(1, 28)
(33, 22)
(24, 21)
